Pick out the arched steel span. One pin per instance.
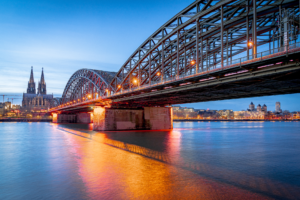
(210, 34)
(87, 81)
(55, 102)
(196, 33)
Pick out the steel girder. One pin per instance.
(87, 82)
(208, 33)
(55, 102)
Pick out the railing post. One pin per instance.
(240, 62)
(163, 58)
(247, 24)
(254, 34)
(222, 34)
(177, 53)
(197, 45)
(149, 71)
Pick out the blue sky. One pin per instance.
(63, 36)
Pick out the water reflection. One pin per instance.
(194, 161)
(240, 181)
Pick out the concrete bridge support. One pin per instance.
(149, 118)
(82, 118)
(64, 118)
(158, 118)
(112, 119)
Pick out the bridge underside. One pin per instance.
(110, 119)
(281, 76)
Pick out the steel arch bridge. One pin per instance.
(87, 81)
(205, 37)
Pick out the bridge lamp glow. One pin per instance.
(89, 96)
(158, 73)
(119, 86)
(134, 81)
(193, 62)
(250, 44)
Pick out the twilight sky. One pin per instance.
(63, 36)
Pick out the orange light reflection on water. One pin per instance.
(110, 172)
(174, 140)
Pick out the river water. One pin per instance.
(196, 160)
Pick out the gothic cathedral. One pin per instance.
(39, 100)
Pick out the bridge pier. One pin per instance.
(64, 118)
(149, 118)
(84, 118)
(158, 118)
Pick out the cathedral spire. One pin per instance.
(31, 83)
(42, 77)
(31, 80)
(42, 84)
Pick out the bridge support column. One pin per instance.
(64, 118)
(108, 119)
(158, 118)
(84, 118)
(149, 118)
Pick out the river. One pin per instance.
(196, 160)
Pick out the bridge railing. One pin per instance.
(218, 67)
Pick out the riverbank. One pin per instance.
(233, 120)
(175, 120)
(24, 120)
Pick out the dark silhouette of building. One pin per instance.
(259, 108)
(31, 83)
(264, 108)
(41, 100)
(251, 107)
(42, 84)
(277, 108)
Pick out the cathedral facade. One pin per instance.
(36, 99)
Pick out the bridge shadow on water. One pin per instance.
(156, 150)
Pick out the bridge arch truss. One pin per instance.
(86, 84)
(208, 35)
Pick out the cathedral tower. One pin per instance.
(42, 84)
(31, 83)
